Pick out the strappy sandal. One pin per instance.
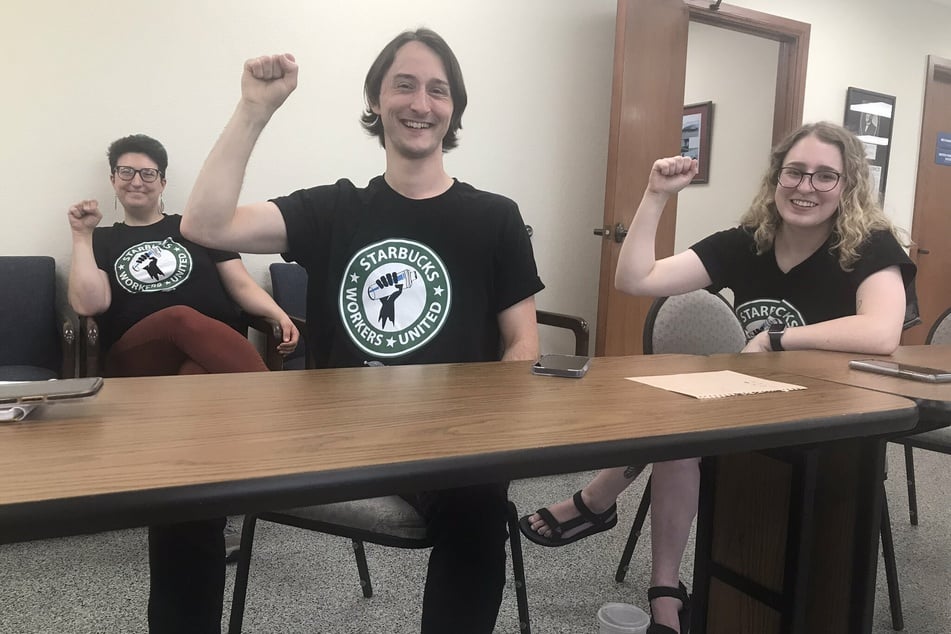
(599, 522)
(680, 593)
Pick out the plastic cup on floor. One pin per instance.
(622, 618)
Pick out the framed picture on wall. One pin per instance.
(870, 115)
(695, 137)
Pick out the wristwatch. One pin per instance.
(776, 332)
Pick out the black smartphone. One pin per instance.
(902, 370)
(38, 392)
(565, 365)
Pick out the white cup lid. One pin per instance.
(623, 615)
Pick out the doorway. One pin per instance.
(646, 120)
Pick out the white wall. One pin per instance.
(78, 75)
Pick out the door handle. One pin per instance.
(619, 232)
(923, 251)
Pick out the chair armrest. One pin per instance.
(273, 334)
(577, 325)
(89, 349)
(69, 340)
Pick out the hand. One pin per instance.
(759, 343)
(291, 336)
(670, 175)
(84, 216)
(267, 81)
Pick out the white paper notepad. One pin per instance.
(714, 384)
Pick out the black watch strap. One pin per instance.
(776, 332)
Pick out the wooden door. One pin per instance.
(931, 224)
(650, 62)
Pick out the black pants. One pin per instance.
(466, 574)
(187, 577)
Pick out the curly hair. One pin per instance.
(859, 212)
(138, 144)
(381, 65)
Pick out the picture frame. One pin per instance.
(870, 116)
(695, 137)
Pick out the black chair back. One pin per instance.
(289, 288)
(32, 348)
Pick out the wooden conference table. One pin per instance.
(176, 448)
(768, 594)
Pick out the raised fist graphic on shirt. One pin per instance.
(388, 303)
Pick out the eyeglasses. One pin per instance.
(821, 181)
(147, 174)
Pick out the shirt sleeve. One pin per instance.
(516, 274)
(308, 218)
(720, 254)
(881, 251)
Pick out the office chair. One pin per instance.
(938, 440)
(387, 521)
(701, 322)
(39, 340)
(698, 322)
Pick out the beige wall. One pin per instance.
(78, 75)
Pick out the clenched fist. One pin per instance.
(84, 216)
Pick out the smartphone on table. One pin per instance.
(565, 365)
(55, 391)
(902, 370)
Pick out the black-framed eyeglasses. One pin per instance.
(821, 180)
(147, 174)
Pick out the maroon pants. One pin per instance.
(180, 340)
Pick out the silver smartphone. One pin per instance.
(902, 370)
(38, 392)
(565, 365)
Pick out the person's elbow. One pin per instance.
(625, 282)
(87, 307)
(190, 228)
(884, 339)
(887, 343)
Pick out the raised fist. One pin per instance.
(268, 80)
(84, 216)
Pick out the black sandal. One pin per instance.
(599, 522)
(680, 593)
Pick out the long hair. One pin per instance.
(381, 65)
(859, 212)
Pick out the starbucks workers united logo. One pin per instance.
(394, 297)
(153, 266)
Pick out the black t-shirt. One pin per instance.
(154, 267)
(401, 281)
(815, 290)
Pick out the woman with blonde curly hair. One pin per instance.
(814, 264)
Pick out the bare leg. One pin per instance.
(675, 490)
(598, 495)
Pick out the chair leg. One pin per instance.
(891, 569)
(518, 567)
(242, 573)
(910, 478)
(360, 553)
(636, 529)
